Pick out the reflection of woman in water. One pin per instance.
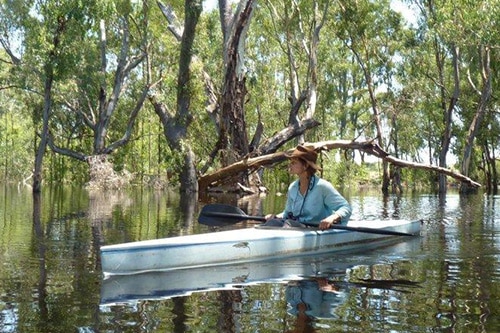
(303, 324)
(311, 299)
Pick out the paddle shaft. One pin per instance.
(243, 217)
(234, 216)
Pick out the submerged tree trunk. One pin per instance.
(491, 160)
(103, 176)
(192, 9)
(488, 167)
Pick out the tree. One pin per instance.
(100, 90)
(77, 83)
(175, 126)
(371, 34)
(229, 110)
(45, 37)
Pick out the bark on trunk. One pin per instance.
(233, 127)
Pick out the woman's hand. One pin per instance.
(272, 216)
(329, 221)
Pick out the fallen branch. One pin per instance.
(369, 147)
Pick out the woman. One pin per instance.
(311, 200)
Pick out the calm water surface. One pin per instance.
(447, 280)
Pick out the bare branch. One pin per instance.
(130, 125)
(65, 151)
(174, 25)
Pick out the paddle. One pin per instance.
(222, 215)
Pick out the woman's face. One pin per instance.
(297, 166)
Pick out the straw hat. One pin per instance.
(307, 154)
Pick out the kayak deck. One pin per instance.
(242, 245)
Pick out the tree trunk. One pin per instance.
(487, 168)
(47, 105)
(395, 172)
(109, 103)
(448, 112)
(234, 137)
(188, 178)
(386, 177)
(175, 127)
(494, 172)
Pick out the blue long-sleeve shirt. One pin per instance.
(321, 200)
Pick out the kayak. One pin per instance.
(249, 244)
(161, 285)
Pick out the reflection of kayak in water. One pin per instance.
(175, 283)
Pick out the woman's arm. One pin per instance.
(337, 204)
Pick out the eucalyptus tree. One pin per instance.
(107, 89)
(226, 106)
(477, 21)
(45, 33)
(487, 141)
(176, 124)
(453, 56)
(371, 33)
(289, 39)
(440, 23)
(295, 28)
(82, 92)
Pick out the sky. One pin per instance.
(396, 5)
(208, 5)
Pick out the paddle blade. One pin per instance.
(223, 215)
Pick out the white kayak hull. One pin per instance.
(166, 284)
(242, 245)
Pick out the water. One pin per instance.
(447, 280)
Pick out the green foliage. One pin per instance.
(16, 140)
(358, 37)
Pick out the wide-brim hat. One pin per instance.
(307, 154)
